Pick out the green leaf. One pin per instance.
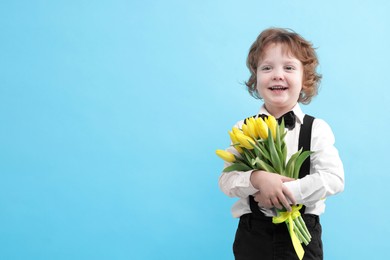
(291, 164)
(264, 152)
(282, 128)
(275, 160)
(278, 145)
(235, 144)
(299, 161)
(257, 149)
(290, 168)
(264, 166)
(249, 156)
(278, 140)
(240, 159)
(237, 167)
(246, 153)
(284, 152)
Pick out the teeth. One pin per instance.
(278, 88)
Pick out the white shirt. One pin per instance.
(326, 171)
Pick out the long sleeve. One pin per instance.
(236, 183)
(326, 173)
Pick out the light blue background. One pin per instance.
(111, 112)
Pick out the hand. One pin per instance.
(272, 192)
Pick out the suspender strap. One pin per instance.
(305, 143)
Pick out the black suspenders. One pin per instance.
(305, 143)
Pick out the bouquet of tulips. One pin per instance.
(260, 145)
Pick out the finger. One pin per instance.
(276, 203)
(256, 196)
(286, 179)
(285, 203)
(260, 201)
(269, 204)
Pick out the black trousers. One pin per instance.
(258, 238)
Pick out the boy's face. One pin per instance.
(279, 79)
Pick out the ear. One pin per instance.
(302, 94)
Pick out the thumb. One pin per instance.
(286, 179)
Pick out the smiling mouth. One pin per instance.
(278, 88)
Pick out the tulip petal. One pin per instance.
(262, 128)
(226, 156)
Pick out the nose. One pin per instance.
(278, 75)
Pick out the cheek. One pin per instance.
(297, 81)
(259, 86)
(260, 82)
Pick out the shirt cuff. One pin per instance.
(295, 188)
(245, 182)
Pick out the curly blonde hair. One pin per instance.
(298, 47)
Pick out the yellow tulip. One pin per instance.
(245, 129)
(234, 141)
(252, 128)
(272, 124)
(245, 140)
(236, 130)
(226, 156)
(262, 128)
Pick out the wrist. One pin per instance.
(254, 179)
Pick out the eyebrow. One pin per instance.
(288, 61)
(294, 63)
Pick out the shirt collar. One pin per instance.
(296, 109)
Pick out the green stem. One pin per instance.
(299, 233)
(302, 222)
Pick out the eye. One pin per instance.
(289, 68)
(265, 68)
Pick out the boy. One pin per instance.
(283, 73)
